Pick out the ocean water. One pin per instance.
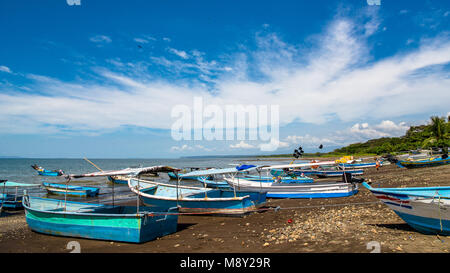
(19, 170)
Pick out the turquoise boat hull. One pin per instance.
(78, 191)
(100, 222)
(49, 173)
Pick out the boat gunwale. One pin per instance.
(127, 215)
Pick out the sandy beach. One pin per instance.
(299, 226)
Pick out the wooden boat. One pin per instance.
(358, 165)
(118, 179)
(12, 201)
(209, 183)
(295, 190)
(337, 172)
(284, 190)
(426, 209)
(280, 179)
(62, 189)
(179, 175)
(99, 221)
(429, 162)
(42, 171)
(196, 200)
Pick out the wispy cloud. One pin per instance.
(179, 53)
(336, 77)
(5, 69)
(242, 145)
(100, 39)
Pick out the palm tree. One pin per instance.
(438, 127)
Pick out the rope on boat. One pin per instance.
(215, 211)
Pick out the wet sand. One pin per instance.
(301, 226)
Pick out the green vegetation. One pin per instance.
(434, 135)
(437, 134)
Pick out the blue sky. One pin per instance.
(100, 79)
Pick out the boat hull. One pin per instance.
(201, 201)
(428, 215)
(118, 180)
(423, 163)
(49, 173)
(109, 224)
(77, 191)
(300, 190)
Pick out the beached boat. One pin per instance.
(358, 165)
(118, 179)
(99, 221)
(62, 189)
(426, 209)
(428, 162)
(210, 183)
(42, 171)
(336, 173)
(280, 179)
(283, 190)
(196, 200)
(295, 190)
(10, 200)
(179, 175)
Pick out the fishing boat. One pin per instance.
(210, 183)
(296, 190)
(280, 189)
(358, 165)
(118, 179)
(177, 175)
(61, 189)
(12, 200)
(281, 179)
(426, 209)
(336, 172)
(429, 162)
(197, 200)
(99, 221)
(42, 171)
(134, 224)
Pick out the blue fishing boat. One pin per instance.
(429, 162)
(44, 172)
(180, 174)
(118, 179)
(62, 189)
(358, 165)
(12, 201)
(280, 179)
(209, 183)
(426, 209)
(196, 200)
(172, 175)
(99, 221)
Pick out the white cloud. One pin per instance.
(100, 39)
(140, 40)
(242, 145)
(386, 128)
(336, 77)
(179, 53)
(5, 69)
(182, 148)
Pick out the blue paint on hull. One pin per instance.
(426, 225)
(79, 191)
